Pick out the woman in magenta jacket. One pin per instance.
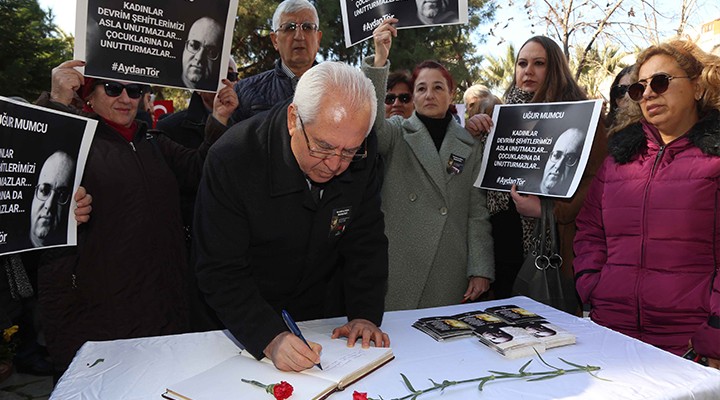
(648, 239)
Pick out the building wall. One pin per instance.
(710, 37)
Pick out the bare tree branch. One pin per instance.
(598, 31)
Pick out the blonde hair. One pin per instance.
(696, 63)
(486, 100)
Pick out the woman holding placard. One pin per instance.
(440, 249)
(542, 75)
(128, 275)
(648, 237)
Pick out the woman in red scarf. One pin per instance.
(128, 275)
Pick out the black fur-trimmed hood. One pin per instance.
(629, 142)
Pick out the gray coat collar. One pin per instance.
(457, 142)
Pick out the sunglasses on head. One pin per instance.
(619, 91)
(404, 98)
(115, 89)
(659, 84)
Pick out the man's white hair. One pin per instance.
(332, 77)
(292, 6)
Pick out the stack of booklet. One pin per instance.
(510, 330)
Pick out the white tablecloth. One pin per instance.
(143, 368)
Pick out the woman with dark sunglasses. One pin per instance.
(648, 238)
(618, 94)
(398, 100)
(128, 275)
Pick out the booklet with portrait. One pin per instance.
(342, 366)
(510, 330)
(442, 328)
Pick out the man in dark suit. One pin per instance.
(288, 217)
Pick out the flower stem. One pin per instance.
(252, 382)
(496, 375)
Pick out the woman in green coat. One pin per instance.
(440, 243)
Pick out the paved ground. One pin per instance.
(26, 387)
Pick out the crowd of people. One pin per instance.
(327, 190)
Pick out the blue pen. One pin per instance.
(295, 330)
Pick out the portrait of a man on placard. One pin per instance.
(433, 12)
(560, 167)
(201, 55)
(51, 200)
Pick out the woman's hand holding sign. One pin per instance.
(65, 81)
(226, 101)
(527, 205)
(382, 37)
(83, 200)
(479, 125)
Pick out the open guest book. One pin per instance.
(342, 366)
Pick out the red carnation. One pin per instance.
(282, 390)
(359, 396)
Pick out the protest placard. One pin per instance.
(542, 148)
(42, 159)
(361, 17)
(175, 43)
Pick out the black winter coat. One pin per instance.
(262, 244)
(127, 277)
(187, 128)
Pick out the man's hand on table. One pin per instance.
(290, 353)
(362, 329)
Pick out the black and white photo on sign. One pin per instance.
(42, 158)
(541, 148)
(361, 17)
(175, 43)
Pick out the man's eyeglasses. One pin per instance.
(570, 158)
(232, 76)
(115, 89)
(211, 52)
(324, 154)
(658, 83)
(290, 27)
(404, 98)
(43, 192)
(618, 91)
